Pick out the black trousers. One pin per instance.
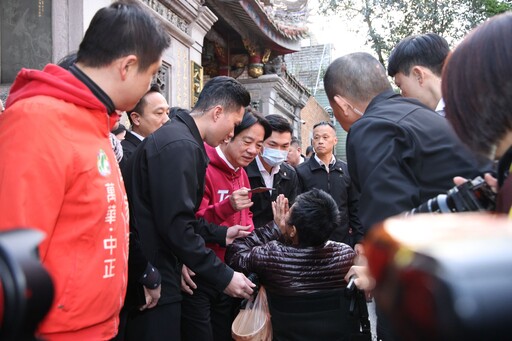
(123, 317)
(159, 323)
(207, 315)
(317, 316)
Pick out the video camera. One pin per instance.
(474, 195)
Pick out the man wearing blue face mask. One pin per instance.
(270, 170)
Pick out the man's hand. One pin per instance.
(236, 231)
(240, 286)
(239, 199)
(491, 181)
(280, 209)
(364, 281)
(187, 284)
(152, 297)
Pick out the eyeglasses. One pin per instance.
(357, 111)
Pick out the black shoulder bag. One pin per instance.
(359, 310)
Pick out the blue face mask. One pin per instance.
(274, 157)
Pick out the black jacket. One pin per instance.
(285, 182)
(130, 143)
(338, 184)
(165, 183)
(400, 154)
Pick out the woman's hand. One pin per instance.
(280, 209)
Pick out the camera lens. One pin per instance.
(439, 204)
(474, 195)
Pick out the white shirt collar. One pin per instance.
(322, 164)
(275, 169)
(140, 137)
(440, 107)
(223, 157)
(268, 178)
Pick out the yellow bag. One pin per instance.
(253, 322)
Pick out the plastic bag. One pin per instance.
(253, 322)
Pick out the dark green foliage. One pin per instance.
(388, 21)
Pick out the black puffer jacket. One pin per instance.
(288, 270)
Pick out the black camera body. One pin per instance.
(474, 195)
(26, 288)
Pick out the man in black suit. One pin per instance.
(330, 174)
(269, 169)
(147, 116)
(165, 183)
(400, 153)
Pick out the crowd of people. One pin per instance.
(153, 230)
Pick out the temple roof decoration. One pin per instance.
(289, 16)
(281, 23)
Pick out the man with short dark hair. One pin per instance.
(399, 153)
(416, 64)
(324, 171)
(147, 116)
(270, 170)
(165, 183)
(207, 314)
(63, 177)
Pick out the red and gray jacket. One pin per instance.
(220, 182)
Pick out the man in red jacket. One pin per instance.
(64, 180)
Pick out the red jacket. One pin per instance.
(58, 174)
(220, 182)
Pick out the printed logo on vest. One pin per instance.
(103, 164)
